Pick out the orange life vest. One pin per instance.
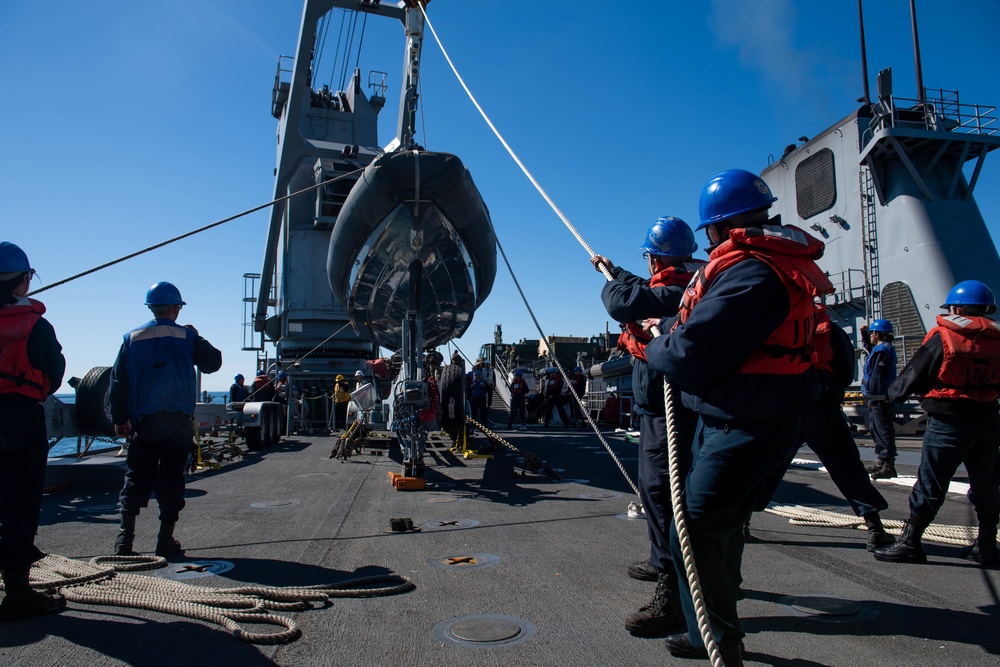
(791, 253)
(971, 365)
(17, 375)
(821, 342)
(633, 339)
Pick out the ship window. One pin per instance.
(815, 184)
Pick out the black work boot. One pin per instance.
(984, 549)
(907, 548)
(885, 470)
(166, 545)
(22, 601)
(126, 536)
(662, 614)
(877, 537)
(681, 647)
(643, 571)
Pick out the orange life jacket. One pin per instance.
(791, 253)
(17, 375)
(821, 342)
(633, 339)
(971, 365)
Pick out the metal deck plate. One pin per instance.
(483, 630)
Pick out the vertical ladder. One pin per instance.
(869, 235)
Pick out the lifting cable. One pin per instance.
(675, 491)
(196, 231)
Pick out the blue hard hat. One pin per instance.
(239, 376)
(282, 375)
(577, 368)
(669, 236)
(13, 259)
(478, 373)
(730, 193)
(970, 293)
(881, 326)
(261, 372)
(518, 372)
(163, 294)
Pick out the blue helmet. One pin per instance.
(518, 372)
(164, 294)
(239, 376)
(730, 193)
(577, 368)
(970, 293)
(263, 372)
(13, 259)
(479, 374)
(881, 326)
(669, 236)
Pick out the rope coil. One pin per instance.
(105, 580)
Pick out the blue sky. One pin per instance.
(127, 123)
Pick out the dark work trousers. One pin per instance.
(557, 403)
(880, 426)
(24, 452)
(480, 410)
(654, 477)
(340, 414)
(516, 410)
(825, 431)
(156, 461)
(948, 442)
(732, 464)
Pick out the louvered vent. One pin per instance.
(815, 184)
(899, 307)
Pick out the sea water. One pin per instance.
(68, 446)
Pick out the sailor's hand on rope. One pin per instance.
(649, 324)
(123, 430)
(598, 260)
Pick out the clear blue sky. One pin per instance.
(127, 123)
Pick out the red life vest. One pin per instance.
(791, 253)
(971, 365)
(821, 342)
(17, 375)
(518, 386)
(633, 339)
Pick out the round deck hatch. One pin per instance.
(483, 630)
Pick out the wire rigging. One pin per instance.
(193, 232)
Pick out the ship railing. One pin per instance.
(848, 287)
(939, 110)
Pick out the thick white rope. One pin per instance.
(800, 515)
(105, 581)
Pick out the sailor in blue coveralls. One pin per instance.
(630, 299)
(957, 371)
(741, 358)
(153, 398)
(879, 372)
(31, 369)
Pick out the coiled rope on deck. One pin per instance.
(105, 581)
(800, 515)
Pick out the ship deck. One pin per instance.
(550, 561)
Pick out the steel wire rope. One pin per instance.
(336, 53)
(361, 42)
(562, 372)
(690, 568)
(321, 33)
(193, 232)
(347, 51)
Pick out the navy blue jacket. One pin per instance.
(879, 370)
(629, 298)
(741, 308)
(154, 371)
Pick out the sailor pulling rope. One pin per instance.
(675, 488)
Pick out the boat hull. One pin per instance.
(412, 207)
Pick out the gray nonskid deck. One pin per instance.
(555, 554)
